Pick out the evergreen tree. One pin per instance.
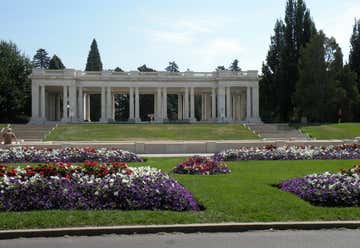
(144, 68)
(235, 66)
(354, 58)
(172, 67)
(269, 82)
(118, 69)
(41, 59)
(220, 68)
(15, 85)
(56, 63)
(318, 92)
(280, 72)
(350, 101)
(94, 60)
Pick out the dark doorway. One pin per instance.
(95, 107)
(121, 107)
(146, 106)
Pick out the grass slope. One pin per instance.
(333, 131)
(245, 195)
(118, 132)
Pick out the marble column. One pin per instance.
(255, 104)
(42, 102)
(180, 107)
(58, 107)
(137, 105)
(81, 104)
(72, 101)
(131, 104)
(221, 104)
(192, 104)
(202, 108)
(228, 104)
(213, 104)
(158, 106)
(103, 105)
(186, 104)
(34, 103)
(65, 103)
(109, 105)
(165, 113)
(248, 104)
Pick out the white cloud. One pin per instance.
(170, 37)
(222, 47)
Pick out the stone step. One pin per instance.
(276, 131)
(31, 132)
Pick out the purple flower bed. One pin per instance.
(290, 153)
(67, 154)
(124, 188)
(327, 189)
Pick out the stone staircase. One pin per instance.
(32, 132)
(276, 131)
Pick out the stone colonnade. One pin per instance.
(233, 100)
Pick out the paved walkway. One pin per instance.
(278, 239)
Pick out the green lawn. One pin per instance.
(118, 132)
(246, 195)
(333, 131)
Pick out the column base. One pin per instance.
(137, 120)
(254, 120)
(37, 121)
(103, 120)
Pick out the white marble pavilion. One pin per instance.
(64, 95)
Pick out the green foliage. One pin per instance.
(15, 86)
(318, 92)
(41, 59)
(144, 68)
(56, 63)
(354, 57)
(220, 68)
(235, 66)
(270, 81)
(172, 67)
(280, 71)
(118, 69)
(94, 60)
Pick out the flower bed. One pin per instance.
(67, 154)
(198, 165)
(290, 153)
(327, 189)
(91, 186)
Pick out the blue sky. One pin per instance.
(197, 34)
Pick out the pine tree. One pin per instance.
(41, 59)
(94, 59)
(220, 68)
(172, 67)
(354, 57)
(56, 63)
(235, 66)
(118, 69)
(269, 82)
(144, 68)
(318, 93)
(297, 31)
